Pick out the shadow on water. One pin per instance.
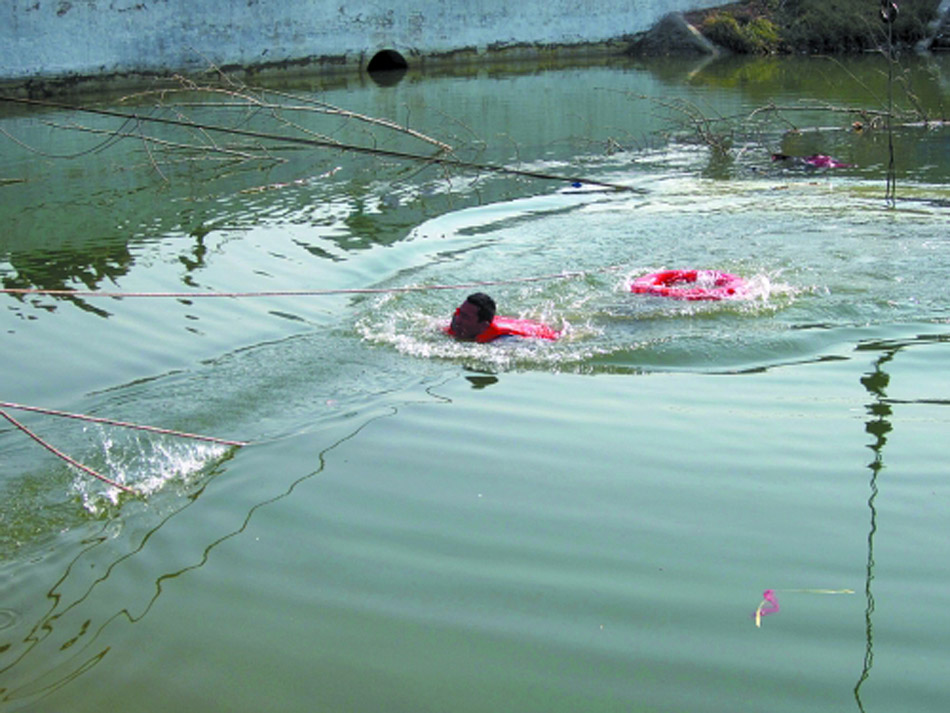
(879, 425)
(44, 628)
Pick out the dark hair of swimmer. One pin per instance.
(485, 304)
(473, 316)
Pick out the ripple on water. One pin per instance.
(8, 618)
(812, 251)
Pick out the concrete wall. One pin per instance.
(70, 38)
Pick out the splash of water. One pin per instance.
(147, 464)
(598, 316)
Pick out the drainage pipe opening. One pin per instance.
(387, 61)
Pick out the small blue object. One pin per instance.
(576, 184)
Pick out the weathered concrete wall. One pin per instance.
(69, 38)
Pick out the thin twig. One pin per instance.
(439, 160)
(198, 148)
(309, 105)
(148, 150)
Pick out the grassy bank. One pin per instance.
(812, 26)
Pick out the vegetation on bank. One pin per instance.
(812, 26)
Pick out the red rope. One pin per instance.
(122, 424)
(59, 454)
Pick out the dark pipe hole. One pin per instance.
(387, 67)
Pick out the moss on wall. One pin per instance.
(811, 26)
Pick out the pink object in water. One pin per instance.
(768, 606)
(820, 160)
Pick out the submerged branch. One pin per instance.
(164, 143)
(438, 159)
(247, 100)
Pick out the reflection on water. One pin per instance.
(573, 522)
(46, 670)
(516, 121)
(875, 382)
(879, 426)
(67, 269)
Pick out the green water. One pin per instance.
(424, 525)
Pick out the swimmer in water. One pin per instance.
(473, 317)
(476, 320)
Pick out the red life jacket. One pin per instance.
(512, 327)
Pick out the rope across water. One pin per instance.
(190, 295)
(106, 421)
(120, 424)
(71, 461)
(300, 292)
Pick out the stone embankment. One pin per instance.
(52, 46)
(758, 26)
(63, 40)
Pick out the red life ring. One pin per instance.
(690, 285)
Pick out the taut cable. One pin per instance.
(71, 461)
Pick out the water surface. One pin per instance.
(419, 524)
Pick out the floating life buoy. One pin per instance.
(690, 285)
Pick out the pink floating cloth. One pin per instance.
(769, 603)
(768, 606)
(818, 160)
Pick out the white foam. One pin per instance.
(145, 463)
